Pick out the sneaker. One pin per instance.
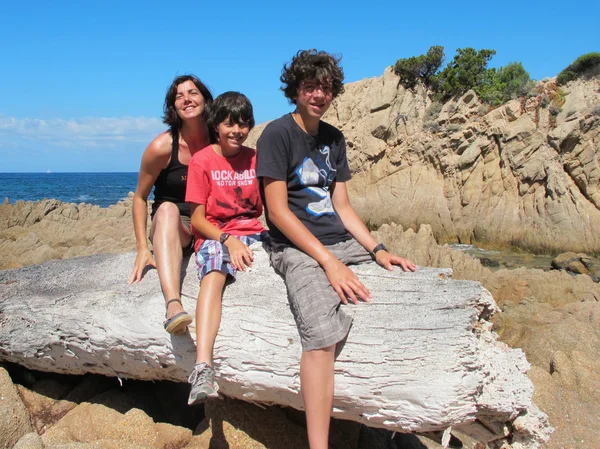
(203, 384)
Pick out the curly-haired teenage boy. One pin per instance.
(315, 232)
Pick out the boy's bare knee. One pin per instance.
(320, 353)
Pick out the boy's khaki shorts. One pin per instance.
(314, 303)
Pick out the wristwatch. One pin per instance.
(379, 247)
(224, 237)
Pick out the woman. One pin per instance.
(164, 165)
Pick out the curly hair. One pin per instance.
(312, 65)
(170, 116)
(232, 105)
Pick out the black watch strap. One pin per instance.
(224, 237)
(379, 247)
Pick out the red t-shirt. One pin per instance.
(228, 188)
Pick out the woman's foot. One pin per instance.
(177, 319)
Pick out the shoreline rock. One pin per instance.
(479, 384)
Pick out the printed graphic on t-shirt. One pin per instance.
(318, 175)
(230, 178)
(236, 206)
(241, 207)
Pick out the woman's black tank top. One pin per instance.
(171, 182)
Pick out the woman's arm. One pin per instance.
(155, 158)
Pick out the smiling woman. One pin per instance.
(164, 166)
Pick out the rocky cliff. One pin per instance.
(524, 174)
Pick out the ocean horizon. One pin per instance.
(99, 188)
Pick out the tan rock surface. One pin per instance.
(234, 424)
(32, 233)
(88, 423)
(14, 419)
(30, 440)
(43, 411)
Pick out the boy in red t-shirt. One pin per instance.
(223, 193)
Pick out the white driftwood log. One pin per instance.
(420, 358)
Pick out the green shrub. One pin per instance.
(466, 71)
(565, 76)
(587, 65)
(419, 68)
(506, 83)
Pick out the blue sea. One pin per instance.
(102, 189)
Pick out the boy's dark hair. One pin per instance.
(312, 65)
(230, 104)
(170, 116)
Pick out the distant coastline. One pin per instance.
(99, 188)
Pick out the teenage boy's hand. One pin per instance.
(387, 260)
(346, 283)
(241, 256)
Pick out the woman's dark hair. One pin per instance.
(170, 116)
(230, 104)
(312, 65)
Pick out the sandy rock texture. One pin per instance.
(14, 419)
(34, 232)
(517, 175)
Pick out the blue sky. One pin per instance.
(82, 84)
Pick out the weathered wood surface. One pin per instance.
(421, 357)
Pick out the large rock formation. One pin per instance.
(421, 358)
(525, 174)
(549, 297)
(34, 232)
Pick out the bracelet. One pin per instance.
(224, 237)
(379, 247)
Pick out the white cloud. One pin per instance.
(82, 132)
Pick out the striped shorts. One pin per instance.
(213, 256)
(314, 303)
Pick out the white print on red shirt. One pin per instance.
(233, 178)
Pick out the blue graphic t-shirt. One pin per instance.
(309, 165)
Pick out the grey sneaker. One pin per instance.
(203, 384)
